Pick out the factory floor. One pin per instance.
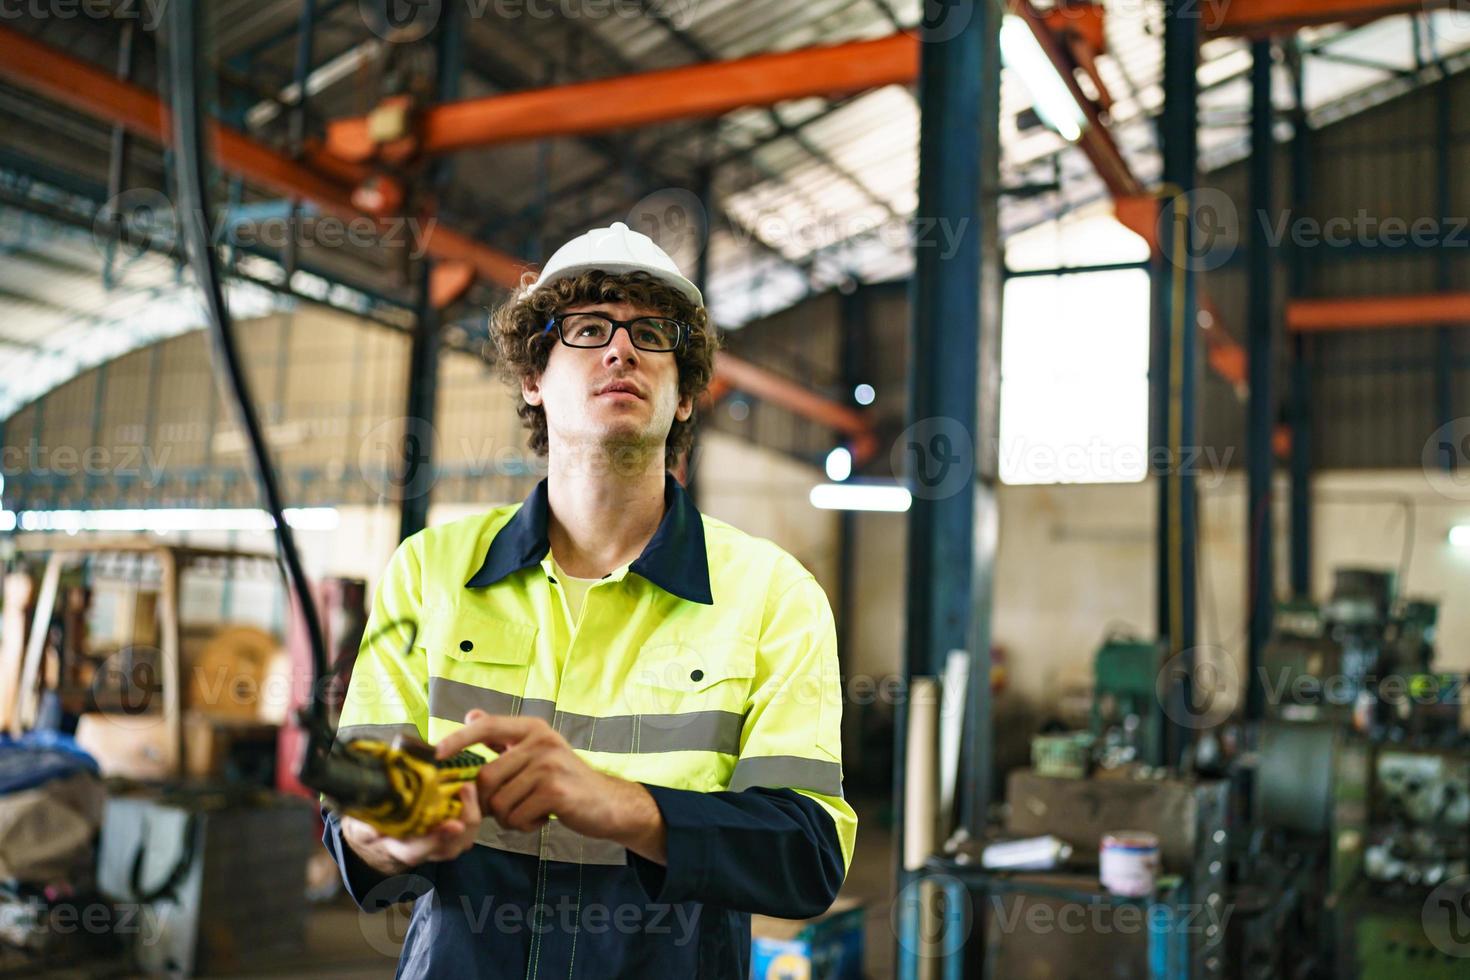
(870, 880)
(336, 949)
(337, 946)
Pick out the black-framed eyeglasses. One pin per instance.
(658, 334)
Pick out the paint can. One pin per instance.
(1128, 862)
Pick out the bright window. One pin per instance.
(1074, 364)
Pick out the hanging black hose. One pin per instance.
(401, 788)
(198, 233)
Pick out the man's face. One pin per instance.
(581, 411)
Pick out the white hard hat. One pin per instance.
(616, 249)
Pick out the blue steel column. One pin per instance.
(1261, 353)
(854, 359)
(304, 37)
(1444, 386)
(117, 165)
(705, 189)
(418, 461)
(952, 383)
(1301, 350)
(1176, 358)
(423, 360)
(117, 175)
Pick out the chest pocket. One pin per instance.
(675, 678)
(474, 648)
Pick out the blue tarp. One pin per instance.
(39, 757)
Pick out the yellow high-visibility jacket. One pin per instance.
(705, 669)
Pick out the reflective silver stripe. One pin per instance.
(559, 843)
(452, 700)
(380, 733)
(691, 731)
(787, 772)
(538, 708)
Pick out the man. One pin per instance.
(658, 690)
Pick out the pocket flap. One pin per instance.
(468, 634)
(690, 667)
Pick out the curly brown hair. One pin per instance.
(523, 346)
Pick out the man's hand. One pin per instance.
(392, 855)
(538, 776)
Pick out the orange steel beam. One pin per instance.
(1134, 208)
(1378, 312)
(1261, 17)
(84, 87)
(712, 89)
(88, 89)
(1080, 28)
(688, 92)
(1085, 20)
(744, 376)
(717, 390)
(1223, 354)
(1095, 141)
(717, 87)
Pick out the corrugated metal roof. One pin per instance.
(58, 318)
(807, 195)
(808, 206)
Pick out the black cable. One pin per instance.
(185, 53)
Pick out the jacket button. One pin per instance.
(696, 675)
(466, 645)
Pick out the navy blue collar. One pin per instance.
(674, 558)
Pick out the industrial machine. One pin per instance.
(1360, 775)
(1363, 658)
(1334, 829)
(1082, 786)
(1127, 717)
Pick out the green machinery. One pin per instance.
(1127, 715)
(1362, 756)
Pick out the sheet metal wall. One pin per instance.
(1373, 391)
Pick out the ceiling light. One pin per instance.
(839, 465)
(162, 520)
(860, 496)
(1053, 101)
